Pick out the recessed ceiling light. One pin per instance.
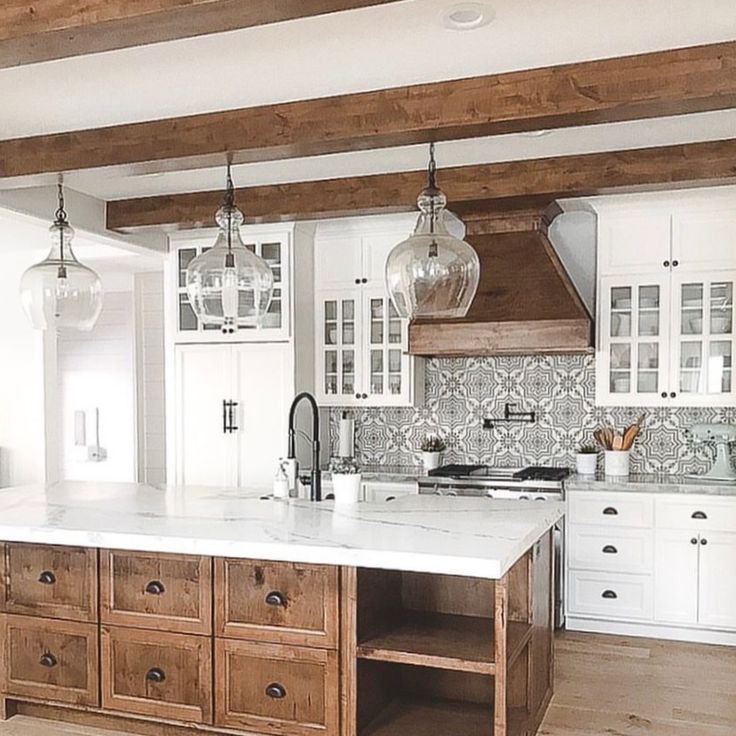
(467, 16)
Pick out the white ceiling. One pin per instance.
(372, 48)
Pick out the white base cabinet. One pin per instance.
(652, 564)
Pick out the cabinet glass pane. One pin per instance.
(647, 379)
(648, 311)
(620, 378)
(649, 323)
(330, 323)
(394, 331)
(691, 308)
(331, 372)
(376, 332)
(271, 253)
(187, 318)
(331, 310)
(186, 256)
(719, 366)
(691, 367)
(376, 371)
(620, 357)
(721, 308)
(376, 308)
(348, 324)
(348, 371)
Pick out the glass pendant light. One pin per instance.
(432, 274)
(61, 292)
(228, 285)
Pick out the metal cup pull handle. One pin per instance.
(275, 691)
(155, 674)
(48, 660)
(699, 515)
(610, 594)
(47, 578)
(274, 598)
(610, 511)
(155, 587)
(609, 549)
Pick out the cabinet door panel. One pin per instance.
(717, 581)
(264, 389)
(338, 262)
(204, 449)
(676, 577)
(634, 242)
(375, 253)
(704, 240)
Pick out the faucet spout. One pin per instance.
(315, 491)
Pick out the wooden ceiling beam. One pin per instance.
(41, 30)
(634, 87)
(469, 188)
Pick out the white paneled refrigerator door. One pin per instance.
(263, 389)
(205, 444)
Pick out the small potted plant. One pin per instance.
(432, 448)
(346, 480)
(586, 460)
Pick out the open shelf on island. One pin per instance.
(421, 718)
(444, 641)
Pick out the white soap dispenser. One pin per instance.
(281, 481)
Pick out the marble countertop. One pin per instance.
(651, 484)
(454, 536)
(387, 473)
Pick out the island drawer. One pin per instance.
(611, 595)
(157, 674)
(53, 660)
(280, 602)
(616, 550)
(276, 689)
(156, 591)
(51, 582)
(697, 513)
(612, 509)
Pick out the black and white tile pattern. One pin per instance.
(460, 392)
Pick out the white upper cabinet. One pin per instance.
(273, 244)
(361, 343)
(666, 281)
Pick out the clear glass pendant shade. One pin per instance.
(60, 292)
(432, 274)
(229, 285)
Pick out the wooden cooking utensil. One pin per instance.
(630, 435)
(618, 443)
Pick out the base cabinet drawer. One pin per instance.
(697, 514)
(276, 689)
(156, 591)
(615, 550)
(612, 509)
(52, 582)
(53, 660)
(610, 595)
(280, 602)
(157, 674)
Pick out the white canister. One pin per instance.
(431, 460)
(586, 463)
(346, 488)
(617, 463)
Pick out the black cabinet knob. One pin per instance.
(610, 511)
(48, 660)
(275, 598)
(275, 691)
(699, 515)
(609, 594)
(673, 395)
(664, 394)
(675, 263)
(365, 396)
(155, 674)
(155, 587)
(703, 542)
(357, 396)
(47, 578)
(694, 540)
(609, 549)
(357, 281)
(364, 280)
(666, 264)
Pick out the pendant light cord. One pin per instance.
(62, 219)
(229, 203)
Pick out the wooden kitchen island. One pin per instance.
(220, 612)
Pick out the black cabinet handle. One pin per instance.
(610, 511)
(231, 416)
(609, 549)
(666, 264)
(703, 542)
(48, 660)
(699, 515)
(694, 540)
(155, 587)
(610, 594)
(274, 598)
(224, 416)
(155, 674)
(275, 691)
(47, 578)
(390, 498)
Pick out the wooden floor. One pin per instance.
(605, 686)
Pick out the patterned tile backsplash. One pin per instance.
(461, 392)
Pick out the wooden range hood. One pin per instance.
(526, 302)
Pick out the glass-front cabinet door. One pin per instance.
(633, 360)
(273, 248)
(703, 338)
(339, 358)
(388, 364)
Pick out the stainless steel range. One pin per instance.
(534, 483)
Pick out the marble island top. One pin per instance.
(455, 536)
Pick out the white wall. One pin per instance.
(96, 370)
(151, 377)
